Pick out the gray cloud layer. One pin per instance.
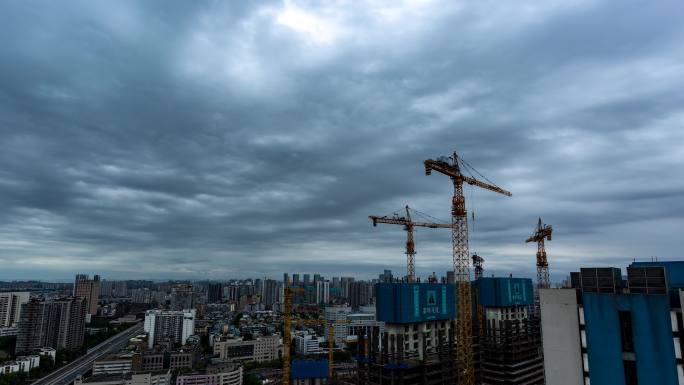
(227, 139)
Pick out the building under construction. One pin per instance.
(418, 347)
(388, 362)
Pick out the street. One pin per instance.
(67, 374)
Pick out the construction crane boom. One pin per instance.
(541, 233)
(408, 224)
(459, 233)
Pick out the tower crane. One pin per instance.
(541, 233)
(451, 167)
(287, 324)
(331, 344)
(477, 264)
(287, 334)
(408, 224)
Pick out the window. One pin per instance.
(630, 373)
(626, 335)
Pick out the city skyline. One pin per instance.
(213, 140)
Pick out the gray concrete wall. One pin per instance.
(561, 337)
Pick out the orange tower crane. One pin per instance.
(451, 167)
(542, 232)
(408, 224)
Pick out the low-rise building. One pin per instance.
(21, 364)
(225, 374)
(261, 349)
(48, 352)
(113, 364)
(181, 359)
(150, 378)
(308, 343)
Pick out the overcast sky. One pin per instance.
(212, 139)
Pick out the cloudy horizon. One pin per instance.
(220, 140)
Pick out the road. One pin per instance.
(67, 374)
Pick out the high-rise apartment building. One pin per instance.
(116, 289)
(337, 316)
(176, 326)
(88, 289)
(322, 292)
(386, 276)
(79, 278)
(214, 292)
(182, 297)
(360, 294)
(58, 324)
(269, 295)
(606, 330)
(10, 307)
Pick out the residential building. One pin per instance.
(322, 292)
(308, 343)
(182, 297)
(48, 352)
(269, 294)
(10, 307)
(174, 326)
(214, 292)
(605, 330)
(89, 290)
(337, 315)
(360, 294)
(57, 324)
(21, 364)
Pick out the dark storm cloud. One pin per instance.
(218, 140)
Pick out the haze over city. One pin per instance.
(223, 140)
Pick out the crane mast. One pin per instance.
(541, 233)
(287, 337)
(408, 224)
(477, 264)
(459, 235)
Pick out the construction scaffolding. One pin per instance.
(511, 353)
(388, 363)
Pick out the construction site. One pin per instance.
(468, 330)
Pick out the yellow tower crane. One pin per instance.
(331, 345)
(287, 334)
(451, 167)
(542, 232)
(287, 325)
(408, 224)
